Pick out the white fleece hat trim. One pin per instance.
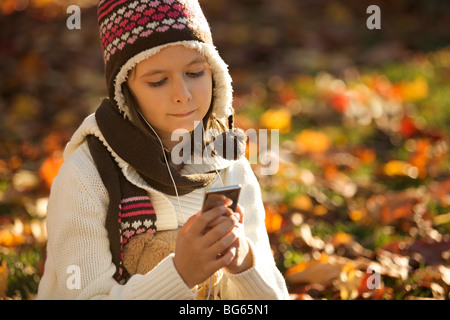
(223, 91)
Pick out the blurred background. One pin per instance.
(360, 205)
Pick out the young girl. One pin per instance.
(119, 180)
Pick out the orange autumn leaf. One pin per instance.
(340, 101)
(320, 210)
(302, 202)
(400, 168)
(50, 167)
(341, 238)
(330, 172)
(366, 155)
(277, 119)
(312, 141)
(407, 127)
(357, 214)
(273, 220)
(9, 239)
(421, 156)
(395, 168)
(404, 208)
(414, 90)
(320, 271)
(299, 267)
(325, 258)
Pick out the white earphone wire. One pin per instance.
(175, 185)
(167, 165)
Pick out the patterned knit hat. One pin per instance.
(133, 30)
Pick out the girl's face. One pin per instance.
(173, 89)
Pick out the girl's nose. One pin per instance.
(181, 92)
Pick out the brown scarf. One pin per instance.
(130, 211)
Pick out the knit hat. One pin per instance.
(133, 30)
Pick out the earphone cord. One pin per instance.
(167, 164)
(175, 186)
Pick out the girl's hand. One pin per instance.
(243, 258)
(201, 248)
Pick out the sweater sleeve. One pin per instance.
(263, 280)
(79, 262)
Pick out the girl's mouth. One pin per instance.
(182, 115)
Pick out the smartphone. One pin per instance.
(214, 197)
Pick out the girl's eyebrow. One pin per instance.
(158, 71)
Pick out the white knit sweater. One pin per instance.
(78, 240)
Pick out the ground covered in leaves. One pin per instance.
(360, 205)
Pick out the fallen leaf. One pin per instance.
(314, 272)
(302, 202)
(310, 141)
(393, 207)
(320, 210)
(50, 168)
(273, 219)
(10, 239)
(414, 90)
(341, 238)
(276, 119)
(340, 101)
(400, 168)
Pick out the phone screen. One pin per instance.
(216, 196)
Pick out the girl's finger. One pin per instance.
(216, 221)
(222, 245)
(225, 259)
(219, 219)
(219, 231)
(204, 218)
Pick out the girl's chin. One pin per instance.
(187, 125)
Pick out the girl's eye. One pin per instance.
(190, 74)
(196, 74)
(158, 83)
